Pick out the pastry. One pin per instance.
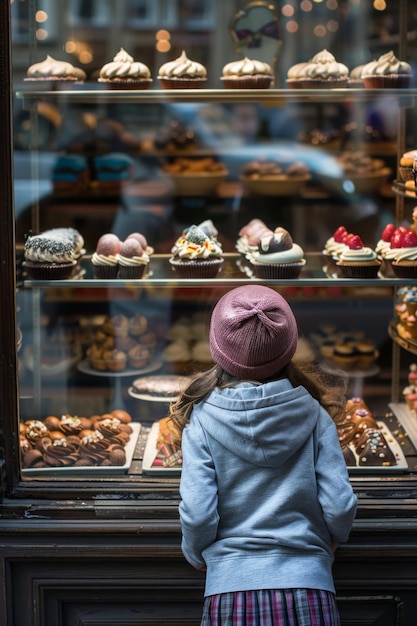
(321, 72)
(166, 386)
(70, 173)
(373, 450)
(247, 74)
(53, 74)
(106, 256)
(182, 73)
(123, 72)
(357, 260)
(387, 72)
(111, 171)
(53, 254)
(277, 256)
(139, 356)
(132, 259)
(408, 165)
(194, 255)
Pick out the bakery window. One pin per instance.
(141, 196)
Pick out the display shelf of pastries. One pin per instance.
(405, 189)
(397, 334)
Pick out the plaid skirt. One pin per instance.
(271, 607)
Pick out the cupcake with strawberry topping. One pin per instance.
(195, 255)
(335, 245)
(403, 254)
(358, 260)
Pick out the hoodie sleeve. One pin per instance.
(198, 490)
(335, 493)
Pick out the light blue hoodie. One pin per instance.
(264, 488)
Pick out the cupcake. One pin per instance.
(53, 254)
(321, 72)
(182, 73)
(176, 356)
(345, 355)
(387, 72)
(247, 74)
(125, 73)
(132, 259)
(403, 254)
(139, 356)
(278, 256)
(106, 256)
(53, 74)
(357, 260)
(408, 165)
(194, 255)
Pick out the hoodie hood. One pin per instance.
(262, 424)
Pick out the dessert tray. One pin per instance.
(89, 470)
(85, 367)
(167, 382)
(394, 446)
(275, 185)
(165, 461)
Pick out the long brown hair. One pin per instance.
(328, 389)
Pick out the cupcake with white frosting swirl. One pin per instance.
(320, 72)
(123, 72)
(53, 74)
(247, 74)
(357, 260)
(182, 73)
(387, 72)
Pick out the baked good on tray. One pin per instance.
(277, 256)
(322, 71)
(168, 445)
(53, 254)
(247, 74)
(387, 72)
(182, 73)
(408, 165)
(195, 255)
(163, 386)
(357, 260)
(123, 72)
(53, 74)
(72, 441)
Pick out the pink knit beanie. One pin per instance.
(253, 332)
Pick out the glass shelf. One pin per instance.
(236, 271)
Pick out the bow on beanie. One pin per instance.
(253, 332)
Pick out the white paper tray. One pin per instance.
(394, 446)
(92, 470)
(150, 453)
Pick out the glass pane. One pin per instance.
(107, 340)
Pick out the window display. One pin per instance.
(139, 202)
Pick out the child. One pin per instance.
(265, 491)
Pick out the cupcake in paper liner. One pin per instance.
(195, 255)
(132, 259)
(123, 72)
(182, 73)
(387, 72)
(358, 260)
(247, 74)
(278, 257)
(106, 255)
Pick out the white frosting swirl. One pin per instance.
(364, 254)
(246, 67)
(334, 248)
(133, 261)
(386, 64)
(50, 67)
(124, 66)
(101, 259)
(323, 65)
(402, 254)
(182, 67)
